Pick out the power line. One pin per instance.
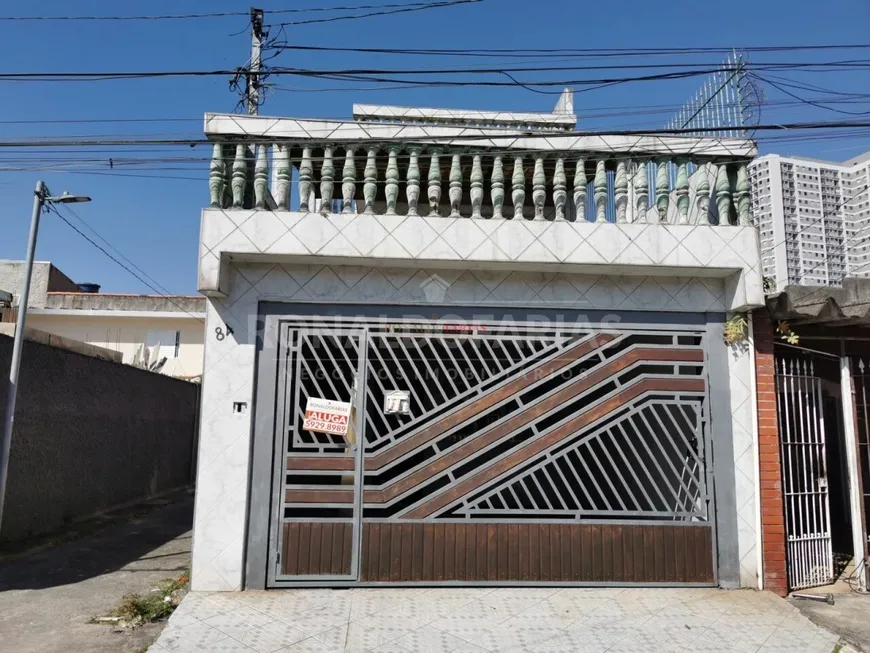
(367, 74)
(815, 221)
(513, 135)
(115, 249)
(607, 111)
(129, 167)
(811, 103)
(103, 250)
(117, 164)
(223, 14)
(95, 120)
(824, 261)
(566, 52)
(401, 9)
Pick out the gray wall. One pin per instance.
(46, 278)
(90, 434)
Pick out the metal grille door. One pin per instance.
(319, 480)
(805, 482)
(536, 455)
(499, 451)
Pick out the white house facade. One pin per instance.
(525, 327)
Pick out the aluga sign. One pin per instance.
(326, 416)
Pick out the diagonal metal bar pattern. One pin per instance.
(628, 476)
(539, 425)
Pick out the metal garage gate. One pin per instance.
(522, 453)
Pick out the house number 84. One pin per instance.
(219, 332)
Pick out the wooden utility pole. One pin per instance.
(252, 87)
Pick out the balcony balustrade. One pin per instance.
(411, 179)
(402, 187)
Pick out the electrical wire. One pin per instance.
(567, 52)
(372, 74)
(406, 8)
(814, 222)
(116, 250)
(54, 209)
(511, 134)
(95, 120)
(224, 14)
(818, 105)
(588, 114)
(846, 244)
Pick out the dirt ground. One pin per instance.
(48, 597)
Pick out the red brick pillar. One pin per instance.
(772, 511)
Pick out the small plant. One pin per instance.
(769, 285)
(138, 609)
(785, 332)
(735, 329)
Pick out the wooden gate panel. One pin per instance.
(317, 549)
(395, 552)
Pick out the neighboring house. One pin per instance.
(45, 279)
(170, 326)
(489, 351)
(813, 379)
(813, 217)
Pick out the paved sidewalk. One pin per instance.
(470, 620)
(48, 597)
(849, 617)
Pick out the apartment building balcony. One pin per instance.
(395, 187)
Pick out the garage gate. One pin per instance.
(524, 453)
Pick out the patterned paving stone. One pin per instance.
(189, 637)
(310, 645)
(430, 640)
(271, 637)
(486, 620)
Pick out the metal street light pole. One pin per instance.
(40, 198)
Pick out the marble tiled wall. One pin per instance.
(653, 250)
(742, 391)
(225, 439)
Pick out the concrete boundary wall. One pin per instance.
(90, 435)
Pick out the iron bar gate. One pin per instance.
(526, 453)
(804, 473)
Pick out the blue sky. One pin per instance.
(155, 222)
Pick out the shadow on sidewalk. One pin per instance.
(124, 544)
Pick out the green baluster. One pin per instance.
(600, 191)
(580, 183)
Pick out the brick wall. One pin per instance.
(772, 515)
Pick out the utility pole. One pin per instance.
(252, 90)
(41, 198)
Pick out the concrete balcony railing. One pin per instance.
(458, 172)
(462, 194)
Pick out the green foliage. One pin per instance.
(785, 332)
(735, 329)
(138, 609)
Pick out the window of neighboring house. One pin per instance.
(167, 343)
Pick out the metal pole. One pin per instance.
(9, 417)
(853, 471)
(253, 94)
